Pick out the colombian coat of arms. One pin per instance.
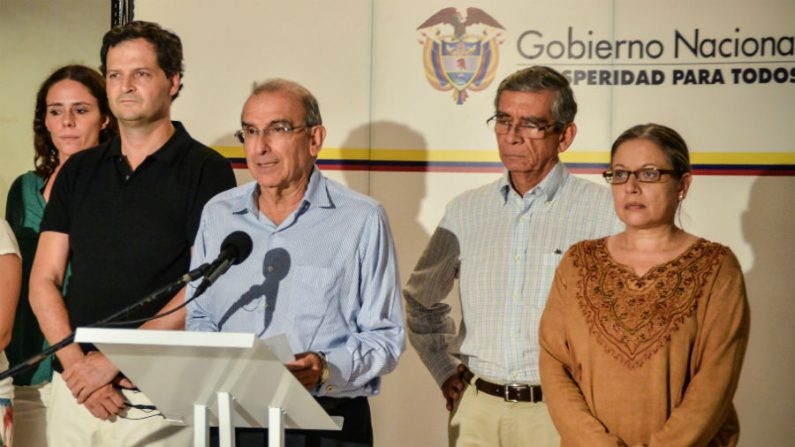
(464, 60)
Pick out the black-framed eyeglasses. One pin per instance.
(275, 132)
(645, 175)
(502, 125)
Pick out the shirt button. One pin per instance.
(329, 387)
(126, 177)
(518, 257)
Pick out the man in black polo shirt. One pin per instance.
(124, 215)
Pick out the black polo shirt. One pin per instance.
(130, 232)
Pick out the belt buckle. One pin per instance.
(517, 387)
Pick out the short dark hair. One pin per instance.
(672, 144)
(167, 45)
(311, 107)
(46, 158)
(540, 78)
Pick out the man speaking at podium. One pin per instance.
(322, 270)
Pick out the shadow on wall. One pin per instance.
(401, 193)
(228, 139)
(408, 394)
(766, 394)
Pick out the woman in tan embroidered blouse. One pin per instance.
(644, 332)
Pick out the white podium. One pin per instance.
(201, 379)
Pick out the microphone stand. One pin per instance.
(165, 291)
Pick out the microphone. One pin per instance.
(234, 250)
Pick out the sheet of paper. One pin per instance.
(280, 347)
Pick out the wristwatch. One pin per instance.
(324, 371)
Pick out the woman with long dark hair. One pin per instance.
(72, 114)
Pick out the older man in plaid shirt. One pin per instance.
(502, 242)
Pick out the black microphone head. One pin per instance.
(238, 245)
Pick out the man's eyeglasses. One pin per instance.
(645, 175)
(274, 132)
(502, 125)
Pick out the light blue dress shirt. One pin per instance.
(503, 249)
(326, 277)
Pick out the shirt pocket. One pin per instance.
(312, 292)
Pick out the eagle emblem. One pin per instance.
(463, 60)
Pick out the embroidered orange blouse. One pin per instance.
(651, 360)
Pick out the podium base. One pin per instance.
(357, 433)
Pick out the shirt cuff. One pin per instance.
(445, 367)
(340, 365)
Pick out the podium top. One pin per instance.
(178, 369)
(164, 338)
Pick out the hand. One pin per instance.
(453, 387)
(307, 368)
(105, 403)
(121, 381)
(88, 375)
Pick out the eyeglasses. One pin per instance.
(275, 132)
(502, 125)
(645, 175)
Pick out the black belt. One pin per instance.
(512, 392)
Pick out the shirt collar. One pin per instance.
(547, 188)
(166, 153)
(316, 195)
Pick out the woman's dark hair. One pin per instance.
(46, 159)
(672, 144)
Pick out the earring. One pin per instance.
(681, 196)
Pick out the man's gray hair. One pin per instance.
(308, 100)
(540, 78)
